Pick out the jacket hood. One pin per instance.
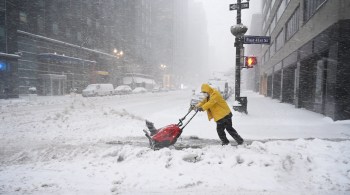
(206, 88)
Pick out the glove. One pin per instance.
(200, 109)
(192, 107)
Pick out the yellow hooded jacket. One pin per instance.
(215, 105)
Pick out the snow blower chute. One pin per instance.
(166, 136)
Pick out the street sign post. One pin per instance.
(247, 39)
(238, 31)
(242, 57)
(235, 6)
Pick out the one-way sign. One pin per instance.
(256, 39)
(243, 6)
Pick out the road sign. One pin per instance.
(243, 6)
(257, 40)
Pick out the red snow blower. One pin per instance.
(166, 136)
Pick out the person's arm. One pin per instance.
(212, 101)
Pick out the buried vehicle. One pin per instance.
(122, 90)
(168, 135)
(98, 90)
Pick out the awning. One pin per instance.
(9, 56)
(103, 73)
(130, 80)
(62, 59)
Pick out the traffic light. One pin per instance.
(250, 61)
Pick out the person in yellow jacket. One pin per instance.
(217, 109)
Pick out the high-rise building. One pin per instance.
(307, 63)
(54, 46)
(66, 44)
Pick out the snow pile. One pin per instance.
(76, 145)
(277, 167)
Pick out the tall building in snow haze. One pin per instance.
(307, 63)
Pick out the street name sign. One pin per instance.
(256, 39)
(235, 6)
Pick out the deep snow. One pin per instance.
(76, 145)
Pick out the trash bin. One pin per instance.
(32, 93)
(242, 107)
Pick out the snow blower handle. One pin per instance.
(182, 119)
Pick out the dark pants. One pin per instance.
(226, 123)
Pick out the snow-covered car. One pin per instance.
(98, 90)
(221, 86)
(156, 89)
(159, 89)
(139, 90)
(122, 90)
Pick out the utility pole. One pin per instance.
(238, 46)
(238, 31)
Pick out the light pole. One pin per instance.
(163, 67)
(238, 31)
(118, 55)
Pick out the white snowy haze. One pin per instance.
(219, 21)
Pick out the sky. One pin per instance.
(220, 20)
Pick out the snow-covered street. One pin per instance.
(76, 145)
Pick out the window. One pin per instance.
(79, 36)
(264, 6)
(41, 24)
(263, 59)
(267, 16)
(2, 32)
(68, 33)
(272, 3)
(2, 40)
(273, 24)
(292, 25)
(280, 40)
(2, 4)
(41, 3)
(319, 82)
(272, 49)
(280, 10)
(263, 26)
(266, 56)
(22, 17)
(55, 28)
(88, 22)
(310, 7)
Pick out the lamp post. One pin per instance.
(118, 55)
(238, 31)
(163, 67)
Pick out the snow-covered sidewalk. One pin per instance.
(76, 145)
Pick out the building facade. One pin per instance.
(250, 77)
(307, 62)
(66, 45)
(8, 49)
(56, 46)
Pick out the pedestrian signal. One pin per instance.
(250, 61)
